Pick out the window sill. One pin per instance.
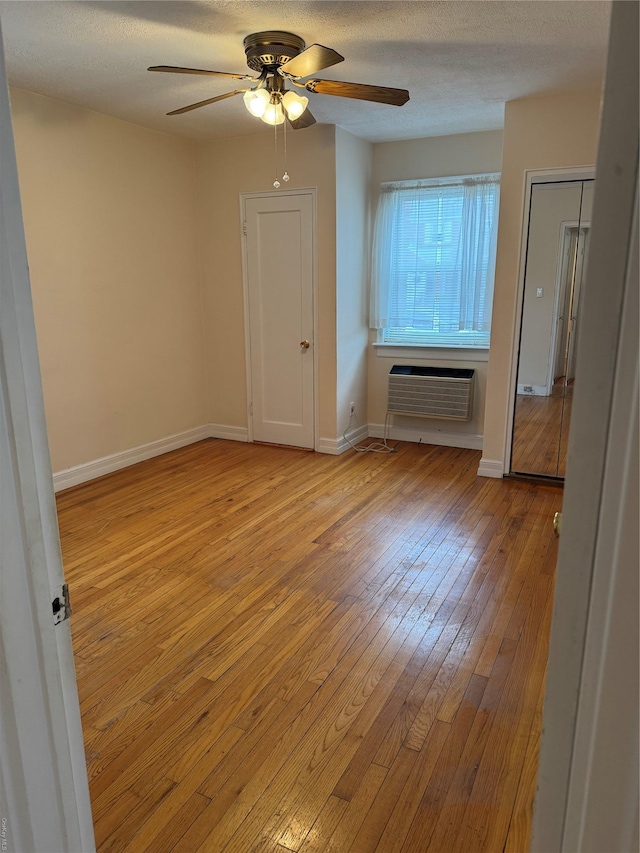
(430, 353)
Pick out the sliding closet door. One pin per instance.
(556, 261)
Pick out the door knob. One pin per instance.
(557, 523)
(304, 344)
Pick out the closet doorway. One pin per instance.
(556, 255)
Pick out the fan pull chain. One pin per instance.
(285, 177)
(276, 183)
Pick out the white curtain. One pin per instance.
(384, 249)
(434, 257)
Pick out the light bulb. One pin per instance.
(273, 114)
(294, 104)
(256, 101)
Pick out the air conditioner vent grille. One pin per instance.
(430, 392)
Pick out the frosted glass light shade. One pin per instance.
(294, 104)
(256, 101)
(274, 114)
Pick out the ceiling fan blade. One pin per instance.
(176, 70)
(208, 101)
(361, 91)
(306, 120)
(314, 58)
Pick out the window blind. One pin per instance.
(434, 261)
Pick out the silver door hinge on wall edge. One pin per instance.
(61, 604)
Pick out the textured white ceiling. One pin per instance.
(461, 61)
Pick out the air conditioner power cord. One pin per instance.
(377, 446)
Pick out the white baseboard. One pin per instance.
(471, 441)
(491, 468)
(329, 445)
(231, 433)
(533, 390)
(115, 461)
(336, 446)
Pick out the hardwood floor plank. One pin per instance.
(240, 765)
(481, 614)
(303, 769)
(452, 806)
(108, 743)
(331, 814)
(159, 829)
(522, 816)
(117, 826)
(180, 716)
(355, 812)
(540, 432)
(390, 816)
(359, 731)
(285, 651)
(175, 826)
(536, 553)
(502, 763)
(446, 767)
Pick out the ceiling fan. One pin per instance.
(281, 58)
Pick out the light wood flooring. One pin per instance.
(541, 433)
(289, 651)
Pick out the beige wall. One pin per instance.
(227, 168)
(539, 133)
(110, 224)
(462, 154)
(353, 183)
(437, 157)
(135, 255)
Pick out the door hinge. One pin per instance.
(244, 228)
(61, 604)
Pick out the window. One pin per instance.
(434, 261)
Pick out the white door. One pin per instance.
(44, 795)
(279, 265)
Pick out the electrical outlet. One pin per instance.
(352, 408)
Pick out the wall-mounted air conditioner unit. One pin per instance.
(431, 392)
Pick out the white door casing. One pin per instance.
(571, 270)
(587, 797)
(605, 750)
(574, 320)
(278, 258)
(44, 794)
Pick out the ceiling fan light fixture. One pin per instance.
(273, 114)
(280, 58)
(256, 101)
(294, 104)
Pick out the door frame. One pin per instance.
(531, 178)
(312, 191)
(565, 227)
(43, 778)
(587, 796)
(584, 239)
